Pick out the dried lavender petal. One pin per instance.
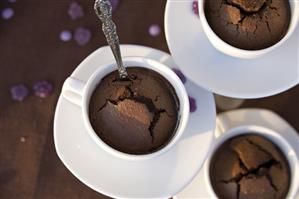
(19, 92)
(75, 11)
(42, 88)
(65, 35)
(192, 103)
(195, 7)
(154, 30)
(114, 4)
(82, 36)
(7, 13)
(180, 75)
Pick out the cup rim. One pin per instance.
(269, 134)
(172, 78)
(233, 51)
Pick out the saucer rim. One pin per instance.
(224, 92)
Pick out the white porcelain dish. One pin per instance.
(273, 73)
(226, 121)
(159, 177)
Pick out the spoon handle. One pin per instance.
(103, 9)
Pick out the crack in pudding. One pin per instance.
(249, 166)
(136, 116)
(249, 24)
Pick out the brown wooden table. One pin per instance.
(30, 50)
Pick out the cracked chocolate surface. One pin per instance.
(249, 24)
(249, 166)
(136, 116)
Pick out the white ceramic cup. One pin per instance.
(230, 50)
(271, 135)
(79, 93)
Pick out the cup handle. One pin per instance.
(72, 90)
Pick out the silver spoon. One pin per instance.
(103, 10)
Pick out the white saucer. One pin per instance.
(225, 121)
(222, 74)
(162, 177)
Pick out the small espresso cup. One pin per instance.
(79, 93)
(269, 134)
(230, 50)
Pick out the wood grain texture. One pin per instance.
(30, 50)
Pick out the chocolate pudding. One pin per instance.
(136, 116)
(249, 166)
(249, 24)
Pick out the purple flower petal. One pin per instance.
(82, 36)
(12, 1)
(193, 106)
(195, 7)
(154, 30)
(114, 4)
(19, 92)
(65, 35)
(7, 13)
(42, 88)
(180, 75)
(75, 11)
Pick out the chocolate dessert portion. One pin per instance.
(249, 166)
(249, 24)
(136, 116)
